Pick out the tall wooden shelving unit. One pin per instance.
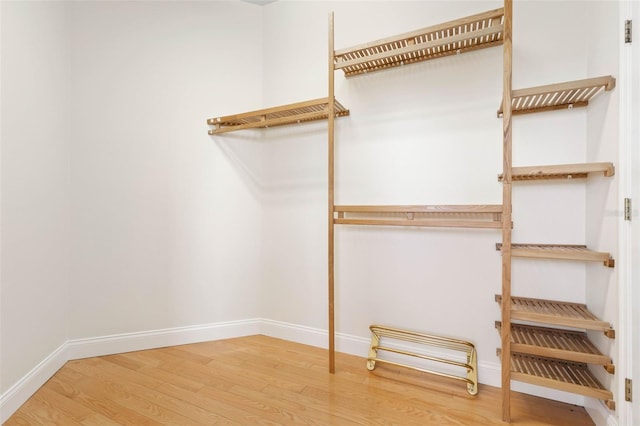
(551, 355)
(554, 354)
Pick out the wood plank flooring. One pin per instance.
(266, 381)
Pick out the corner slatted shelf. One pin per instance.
(559, 251)
(568, 345)
(564, 314)
(567, 95)
(565, 376)
(454, 37)
(452, 216)
(300, 112)
(560, 171)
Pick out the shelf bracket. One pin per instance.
(627, 31)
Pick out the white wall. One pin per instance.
(427, 134)
(603, 210)
(166, 224)
(119, 213)
(35, 185)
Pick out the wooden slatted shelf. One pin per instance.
(564, 314)
(450, 38)
(300, 112)
(567, 345)
(559, 251)
(567, 95)
(571, 377)
(450, 216)
(560, 171)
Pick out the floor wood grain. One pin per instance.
(266, 381)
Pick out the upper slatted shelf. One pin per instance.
(566, 95)
(559, 251)
(458, 36)
(300, 112)
(560, 171)
(449, 216)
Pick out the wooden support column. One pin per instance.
(331, 118)
(505, 335)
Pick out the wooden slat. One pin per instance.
(429, 223)
(456, 216)
(372, 61)
(300, 112)
(559, 251)
(560, 171)
(451, 208)
(566, 376)
(606, 82)
(331, 201)
(458, 36)
(556, 343)
(505, 311)
(565, 314)
(570, 94)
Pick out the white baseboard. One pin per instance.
(127, 342)
(14, 397)
(21, 391)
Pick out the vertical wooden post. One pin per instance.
(331, 117)
(505, 310)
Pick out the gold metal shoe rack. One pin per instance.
(469, 366)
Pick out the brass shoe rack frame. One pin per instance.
(470, 365)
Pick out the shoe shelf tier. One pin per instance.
(567, 95)
(560, 171)
(574, 377)
(450, 38)
(567, 345)
(316, 109)
(449, 216)
(559, 251)
(553, 312)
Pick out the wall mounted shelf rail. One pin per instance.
(300, 112)
(564, 314)
(560, 251)
(567, 95)
(562, 375)
(568, 345)
(560, 171)
(452, 216)
(450, 38)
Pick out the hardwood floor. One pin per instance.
(266, 381)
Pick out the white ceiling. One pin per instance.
(260, 2)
